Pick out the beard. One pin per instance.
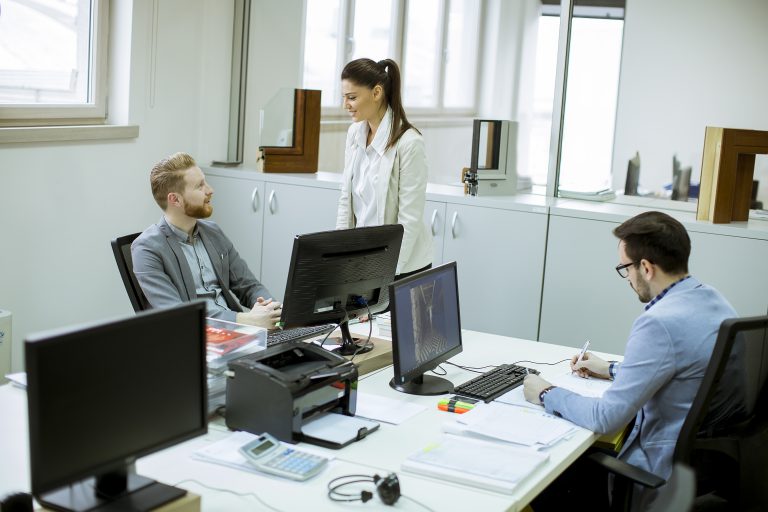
(202, 211)
(643, 291)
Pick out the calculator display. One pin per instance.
(261, 448)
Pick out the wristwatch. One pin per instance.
(544, 392)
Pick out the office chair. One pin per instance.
(736, 448)
(121, 247)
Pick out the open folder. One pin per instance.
(337, 430)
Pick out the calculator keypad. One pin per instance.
(296, 462)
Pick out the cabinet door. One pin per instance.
(735, 266)
(584, 298)
(500, 259)
(291, 210)
(434, 218)
(238, 209)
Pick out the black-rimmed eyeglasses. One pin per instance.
(622, 269)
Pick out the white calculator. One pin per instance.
(271, 456)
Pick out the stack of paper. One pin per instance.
(512, 424)
(487, 465)
(384, 323)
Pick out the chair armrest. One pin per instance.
(628, 471)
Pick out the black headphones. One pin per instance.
(388, 488)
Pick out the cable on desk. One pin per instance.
(235, 493)
(472, 369)
(445, 372)
(547, 364)
(404, 497)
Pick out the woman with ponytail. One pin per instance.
(385, 167)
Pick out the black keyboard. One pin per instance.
(297, 333)
(494, 383)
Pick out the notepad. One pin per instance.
(483, 464)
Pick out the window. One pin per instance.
(53, 62)
(435, 42)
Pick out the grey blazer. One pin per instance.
(166, 279)
(667, 354)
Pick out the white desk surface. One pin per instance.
(382, 452)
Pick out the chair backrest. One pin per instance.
(740, 362)
(121, 247)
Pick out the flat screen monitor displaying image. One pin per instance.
(102, 395)
(336, 276)
(426, 329)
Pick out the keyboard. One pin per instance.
(494, 383)
(279, 336)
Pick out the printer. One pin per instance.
(281, 388)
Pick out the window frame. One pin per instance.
(93, 112)
(398, 45)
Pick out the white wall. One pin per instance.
(686, 65)
(62, 203)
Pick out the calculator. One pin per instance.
(269, 455)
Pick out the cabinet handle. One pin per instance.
(453, 224)
(255, 199)
(432, 222)
(272, 201)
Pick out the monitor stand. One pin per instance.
(137, 493)
(424, 385)
(351, 346)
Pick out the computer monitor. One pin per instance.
(336, 276)
(426, 329)
(102, 395)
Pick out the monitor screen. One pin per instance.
(336, 276)
(426, 329)
(102, 395)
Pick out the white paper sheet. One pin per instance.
(587, 387)
(337, 428)
(384, 409)
(519, 425)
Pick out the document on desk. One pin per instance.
(227, 452)
(591, 387)
(483, 464)
(384, 409)
(513, 424)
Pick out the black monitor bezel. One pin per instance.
(36, 343)
(293, 316)
(400, 376)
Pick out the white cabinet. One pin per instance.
(434, 218)
(735, 266)
(584, 298)
(238, 209)
(500, 260)
(291, 210)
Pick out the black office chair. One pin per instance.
(679, 493)
(737, 449)
(121, 247)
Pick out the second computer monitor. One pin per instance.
(336, 276)
(426, 329)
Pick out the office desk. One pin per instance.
(382, 452)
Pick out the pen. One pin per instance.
(583, 351)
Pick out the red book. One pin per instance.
(222, 341)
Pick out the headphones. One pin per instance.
(388, 488)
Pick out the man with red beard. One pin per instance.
(184, 257)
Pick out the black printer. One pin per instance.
(279, 389)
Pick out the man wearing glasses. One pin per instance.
(667, 352)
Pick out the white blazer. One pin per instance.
(401, 190)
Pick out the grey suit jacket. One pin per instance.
(667, 354)
(166, 279)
